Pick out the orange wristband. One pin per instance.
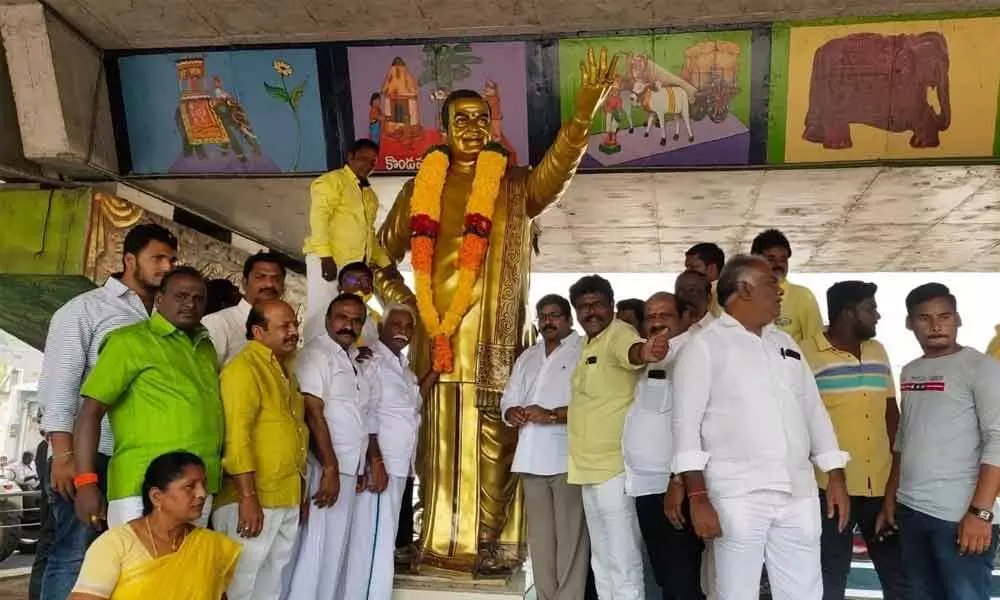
(694, 493)
(84, 479)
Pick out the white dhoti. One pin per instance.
(772, 528)
(371, 551)
(322, 552)
(123, 510)
(319, 294)
(615, 540)
(258, 572)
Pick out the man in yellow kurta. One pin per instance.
(470, 521)
(800, 316)
(994, 348)
(342, 214)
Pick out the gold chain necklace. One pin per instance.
(174, 544)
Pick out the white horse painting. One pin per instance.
(660, 101)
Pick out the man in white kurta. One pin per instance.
(337, 397)
(357, 278)
(748, 419)
(263, 279)
(535, 401)
(395, 412)
(673, 549)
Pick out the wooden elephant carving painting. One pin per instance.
(884, 81)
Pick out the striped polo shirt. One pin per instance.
(855, 392)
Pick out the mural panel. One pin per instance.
(397, 92)
(679, 100)
(252, 111)
(887, 90)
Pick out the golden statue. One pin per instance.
(472, 517)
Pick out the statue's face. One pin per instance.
(468, 126)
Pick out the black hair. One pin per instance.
(557, 300)
(591, 284)
(264, 257)
(374, 97)
(454, 96)
(632, 304)
(354, 267)
(141, 236)
(926, 293)
(346, 298)
(847, 295)
(256, 318)
(770, 238)
(362, 143)
(708, 253)
(699, 275)
(164, 470)
(221, 293)
(182, 271)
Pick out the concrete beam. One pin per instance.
(60, 91)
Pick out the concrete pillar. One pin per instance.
(60, 90)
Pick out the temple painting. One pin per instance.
(255, 111)
(678, 99)
(889, 90)
(397, 93)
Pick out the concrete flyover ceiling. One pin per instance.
(119, 24)
(838, 220)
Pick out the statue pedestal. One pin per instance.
(441, 586)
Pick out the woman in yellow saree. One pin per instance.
(161, 555)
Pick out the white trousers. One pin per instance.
(258, 572)
(615, 540)
(772, 528)
(322, 554)
(123, 510)
(319, 294)
(371, 552)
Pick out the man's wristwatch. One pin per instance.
(981, 513)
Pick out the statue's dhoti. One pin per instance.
(466, 485)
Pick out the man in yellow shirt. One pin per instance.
(994, 348)
(603, 388)
(707, 258)
(264, 455)
(342, 214)
(854, 378)
(800, 316)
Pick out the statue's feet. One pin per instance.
(492, 562)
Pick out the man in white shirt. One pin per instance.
(336, 396)
(357, 278)
(395, 419)
(536, 401)
(695, 289)
(748, 419)
(673, 548)
(263, 279)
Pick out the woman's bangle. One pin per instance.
(694, 493)
(84, 479)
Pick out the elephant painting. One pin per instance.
(884, 81)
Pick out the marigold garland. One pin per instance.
(425, 221)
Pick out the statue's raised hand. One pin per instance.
(596, 79)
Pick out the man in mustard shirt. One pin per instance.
(603, 388)
(342, 214)
(854, 378)
(707, 258)
(264, 455)
(800, 316)
(994, 348)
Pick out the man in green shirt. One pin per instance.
(158, 383)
